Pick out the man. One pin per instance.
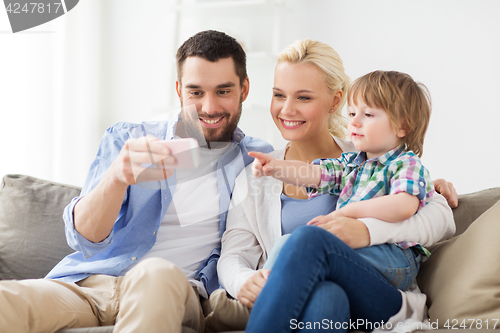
(147, 240)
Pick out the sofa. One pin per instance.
(461, 278)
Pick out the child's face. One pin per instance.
(371, 130)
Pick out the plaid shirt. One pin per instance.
(353, 178)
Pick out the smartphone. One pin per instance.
(186, 152)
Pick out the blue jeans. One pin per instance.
(398, 266)
(318, 283)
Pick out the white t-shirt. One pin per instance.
(189, 231)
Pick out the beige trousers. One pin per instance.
(154, 296)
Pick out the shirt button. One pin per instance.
(421, 183)
(154, 233)
(134, 258)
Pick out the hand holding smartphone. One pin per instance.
(186, 151)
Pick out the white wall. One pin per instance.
(120, 65)
(50, 96)
(451, 46)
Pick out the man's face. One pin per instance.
(215, 90)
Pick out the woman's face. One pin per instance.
(301, 101)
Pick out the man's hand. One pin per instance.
(131, 165)
(351, 231)
(95, 214)
(251, 288)
(447, 190)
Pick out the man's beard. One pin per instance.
(212, 137)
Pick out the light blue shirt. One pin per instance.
(144, 205)
(297, 212)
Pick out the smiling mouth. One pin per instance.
(292, 123)
(211, 121)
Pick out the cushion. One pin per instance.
(461, 277)
(472, 205)
(32, 237)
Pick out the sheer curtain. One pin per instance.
(50, 104)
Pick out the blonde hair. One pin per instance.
(327, 60)
(407, 103)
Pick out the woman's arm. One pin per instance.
(238, 262)
(431, 224)
(241, 250)
(240, 254)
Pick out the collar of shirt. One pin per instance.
(382, 159)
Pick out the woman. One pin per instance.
(309, 92)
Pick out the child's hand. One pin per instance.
(262, 165)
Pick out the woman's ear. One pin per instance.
(337, 99)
